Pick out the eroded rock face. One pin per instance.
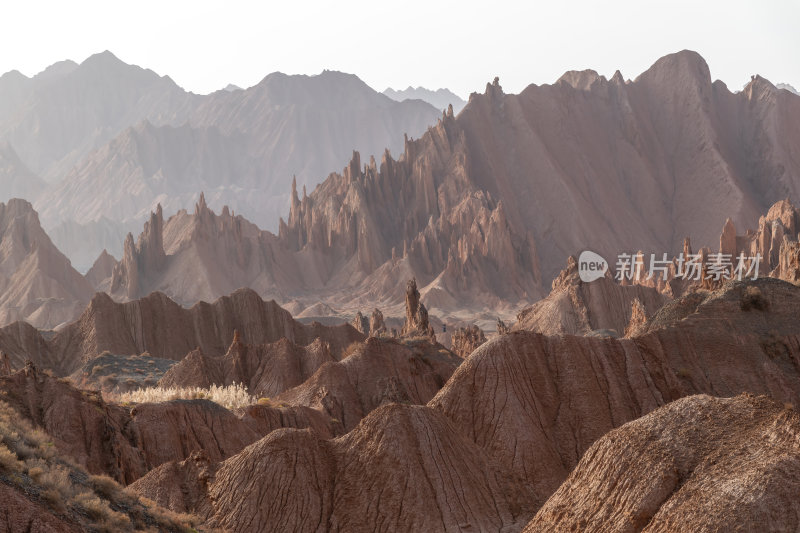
(377, 326)
(462, 208)
(101, 270)
(574, 307)
(164, 329)
(361, 323)
(697, 464)
(502, 328)
(125, 443)
(638, 319)
(465, 340)
(181, 486)
(5, 364)
(219, 252)
(266, 370)
(467, 200)
(21, 513)
(510, 395)
(775, 242)
(416, 323)
(379, 372)
(293, 480)
(37, 282)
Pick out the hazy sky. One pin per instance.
(204, 46)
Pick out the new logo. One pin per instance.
(591, 266)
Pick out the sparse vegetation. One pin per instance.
(29, 463)
(353, 348)
(753, 298)
(231, 397)
(269, 402)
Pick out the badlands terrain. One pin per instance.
(406, 344)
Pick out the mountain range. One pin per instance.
(482, 209)
(359, 368)
(100, 143)
(440, 98)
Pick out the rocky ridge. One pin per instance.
(162, 328)
(699, 464)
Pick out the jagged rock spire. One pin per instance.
(5, 364)
(417, 323)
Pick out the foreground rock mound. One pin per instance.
(42, 491)
(697, 464)
(538, 403)
(126, 442)
(293, 481)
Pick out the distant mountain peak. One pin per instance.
(439, 98)
(105, 55)
(56, 70)
(678, 65)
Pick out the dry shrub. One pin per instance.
(352, 349)
(36, 473)
(8, 460)
(92, 506)
(105, 487)
(57, 478)
(66, 488)
(53, 499)
(266, 401)
(231, 397)
(753, 298)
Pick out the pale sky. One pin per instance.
(204, 45)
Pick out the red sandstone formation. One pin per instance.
(416, 323)
(578, 308)
(37, 282)
(536, 403)
(465, 340)
(164, 329)
(378, 372)
(266, 369)
(127, 442)
(697, 464)
(293, 480)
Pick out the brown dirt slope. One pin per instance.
(293, 480)
(697, 464)
(125, 443)
(538, 403)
